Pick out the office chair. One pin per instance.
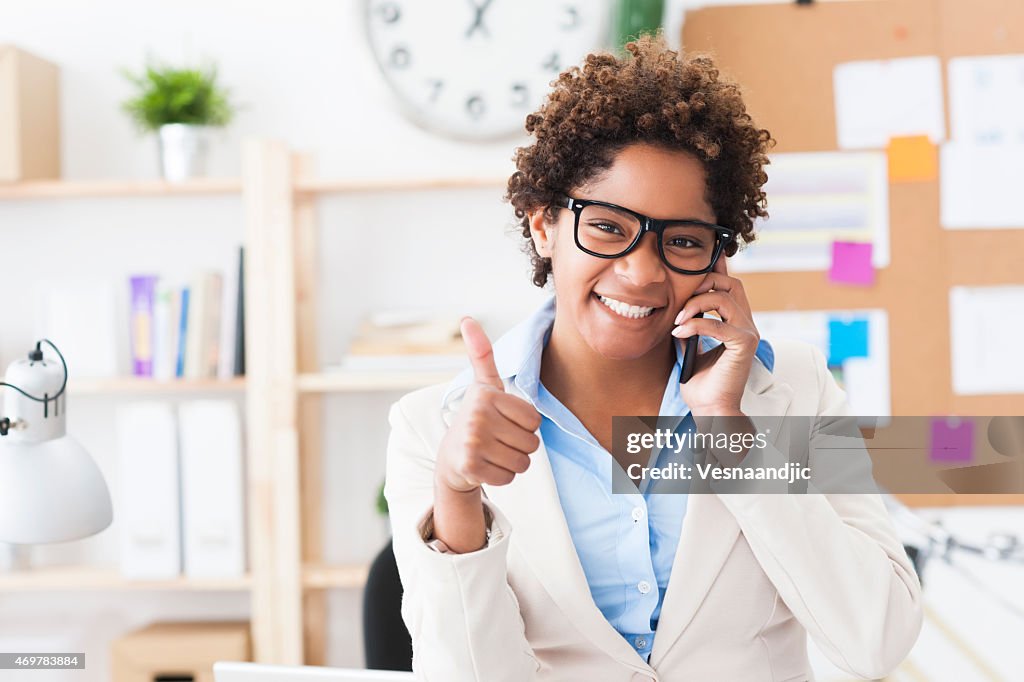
(387, 644)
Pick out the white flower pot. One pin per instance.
(183, 151)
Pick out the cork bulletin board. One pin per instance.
(783, 56)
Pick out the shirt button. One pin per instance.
(641, 642)
(643, 586)
(638, 513)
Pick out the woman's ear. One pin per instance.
(542, 232)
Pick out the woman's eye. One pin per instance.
(607, 227)
(682, 242)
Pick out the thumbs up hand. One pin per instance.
(492, 435)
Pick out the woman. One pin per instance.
(518, 562)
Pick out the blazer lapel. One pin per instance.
(542, 537)
(709, 531)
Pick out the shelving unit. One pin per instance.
(138, 385)
(325, 577)
(101, 578)
(346, 382)
(285, 443)
(283, 390)
(60, 189)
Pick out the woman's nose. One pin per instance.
(643, 265)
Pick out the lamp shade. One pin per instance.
(50, 491)
(50, 488)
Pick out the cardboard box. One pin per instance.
(29, 117)
(185, 649)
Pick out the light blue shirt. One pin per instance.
(626, 543)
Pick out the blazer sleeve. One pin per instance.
(462, 614)
(837, 562)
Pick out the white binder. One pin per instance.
(148, 515)
(212, 488)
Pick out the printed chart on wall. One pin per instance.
(856, 343)
(814, 200)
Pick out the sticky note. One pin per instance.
(846, 339)
(952, 439)
(914, 158)
(851, 263)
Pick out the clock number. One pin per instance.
(475, 107)
(520, 95)
(435, 89)
(553, 63)
(572, 18)
(389, 12)
(478, 18)
(399, 57)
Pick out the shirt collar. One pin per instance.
(517, 352)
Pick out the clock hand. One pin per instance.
(478, 18)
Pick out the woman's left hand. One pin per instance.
(721, 373)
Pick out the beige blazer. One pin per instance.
(753, 574)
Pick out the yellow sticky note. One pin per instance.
(913, 159)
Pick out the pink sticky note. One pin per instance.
(851, 263)
(952, 439)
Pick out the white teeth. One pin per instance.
(624, 309)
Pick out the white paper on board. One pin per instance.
(986, 328)
(879, 99)
(986, 99)
(980, 185)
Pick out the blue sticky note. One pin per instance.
(847, 339)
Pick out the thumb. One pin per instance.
(481, 355)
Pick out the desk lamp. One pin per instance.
(50, 488)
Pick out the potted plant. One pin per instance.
(382, 510)
(181, 106)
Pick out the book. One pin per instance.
(239, 355)
(231, 313)
(194, 331)
(212, 325)
(203, 326)
(166, 326)
(228, 317)
(401, 333)
(141, 324)
(405, 341)
(183, 313)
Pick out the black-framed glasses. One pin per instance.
(689, 247)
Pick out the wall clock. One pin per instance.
(474, 69)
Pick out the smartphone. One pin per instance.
(690, 356)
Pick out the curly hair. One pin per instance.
(653, 95)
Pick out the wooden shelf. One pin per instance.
(337, 186)
(74, 189)
(325, 577)
(79, 189)
(127, 385)
(101, 578)
(355, 380)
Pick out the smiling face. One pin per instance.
(608, 302)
